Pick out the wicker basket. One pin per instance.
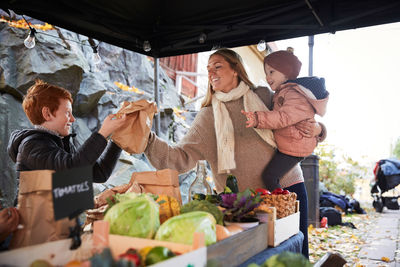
(285, 204)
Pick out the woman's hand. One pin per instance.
(309, 128)
(9, 219)
(112, 123)
(252, 120)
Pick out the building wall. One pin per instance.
(187, 63)
(253, 61)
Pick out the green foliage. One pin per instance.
(338, 175)
(396, 149)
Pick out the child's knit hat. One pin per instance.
(285, 62)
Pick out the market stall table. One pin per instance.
(293, 244)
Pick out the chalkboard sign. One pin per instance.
(72, 192)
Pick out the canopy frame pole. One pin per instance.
(310, 54)
(157, 95)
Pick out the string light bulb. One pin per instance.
(96, 56)
(202, 38)
(30, 42)
(146, 46)
(261, 46)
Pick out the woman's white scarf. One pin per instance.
(224, 127)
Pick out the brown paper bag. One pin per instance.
(134, 136)
(35, 205)
(158, 182)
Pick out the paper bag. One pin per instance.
(164, 182)
(134, 136)
(158, 182)
(35, 205)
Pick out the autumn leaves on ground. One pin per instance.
(343, 239)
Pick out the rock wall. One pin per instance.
(63, 60)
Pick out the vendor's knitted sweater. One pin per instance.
(252, 154)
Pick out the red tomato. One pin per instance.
(131, 255)
(285, 192)
(263, 191)
(277, 191)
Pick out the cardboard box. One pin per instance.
(238, 248)
(282, 229)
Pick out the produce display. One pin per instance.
(162, 218)
(283, 200)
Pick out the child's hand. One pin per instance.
(9, 219)
(252, 120)
(112, 123)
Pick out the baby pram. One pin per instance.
(387, 177)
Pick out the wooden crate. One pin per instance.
(282, 229)
(240, 247)
(58, 253)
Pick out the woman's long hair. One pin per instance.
(236, 63)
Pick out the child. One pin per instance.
(294, 100)
(48, 145)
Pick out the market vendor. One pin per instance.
(218, 134)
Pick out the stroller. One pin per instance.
(387, 177)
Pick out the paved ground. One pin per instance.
(383, 241)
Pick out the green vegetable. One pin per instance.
(180, 229)
(137, 217)
(157, 254)
(204, 205)
(287, 259)
(227, 190)
(105, 259)
(214, 199)
(237, 206)
(232, 183)
(199, 196)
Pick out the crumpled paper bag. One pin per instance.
(134, 136)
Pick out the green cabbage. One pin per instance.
(180, 228)
(137, 217)
(204, 205)
(287, 259)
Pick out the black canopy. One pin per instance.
(174, 27)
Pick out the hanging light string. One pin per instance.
(78, 42)
(30, 40)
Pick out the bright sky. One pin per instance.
(360, 68)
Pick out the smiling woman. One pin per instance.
(221, 76)
(218, 133)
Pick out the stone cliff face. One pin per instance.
(68, 64)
